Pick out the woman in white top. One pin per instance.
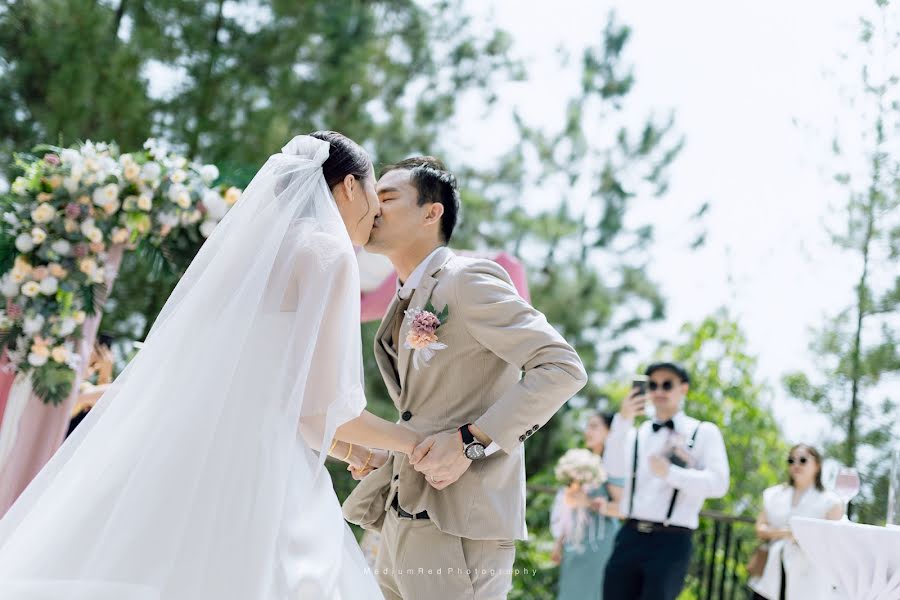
(788, 574)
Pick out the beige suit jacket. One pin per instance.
(504, 369)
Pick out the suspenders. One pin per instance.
(634, 464)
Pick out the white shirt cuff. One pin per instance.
(492, 447)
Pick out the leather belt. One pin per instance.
(405, 515)
(653, 527)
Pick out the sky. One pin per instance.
(754, 90)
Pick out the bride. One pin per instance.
(196, 477)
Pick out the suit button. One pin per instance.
(521, 438)
(396, 477)
(527, 434)
(535, 428)
(406, 416)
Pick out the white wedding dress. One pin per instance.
(195, 477)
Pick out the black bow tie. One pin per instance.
(670, 424)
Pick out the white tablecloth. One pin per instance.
(865, 559)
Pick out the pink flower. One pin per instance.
(73, 211)
(425, 323)
(51, 159)
(80, 250)
(40, 273)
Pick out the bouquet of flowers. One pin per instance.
(582, 467)
(59, 221)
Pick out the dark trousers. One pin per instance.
(647, 566)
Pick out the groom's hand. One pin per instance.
(441, 459)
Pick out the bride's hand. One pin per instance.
(377, 459)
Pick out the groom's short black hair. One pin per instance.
(434, 184)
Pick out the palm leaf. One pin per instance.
(93, 296)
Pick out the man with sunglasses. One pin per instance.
(671, 465)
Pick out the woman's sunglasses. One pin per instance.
(802, 460)
(666, 385)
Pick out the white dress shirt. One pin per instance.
(415, 278)
(406, 291)
(708, 478)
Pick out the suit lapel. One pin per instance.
(419, 299)
(385, 357)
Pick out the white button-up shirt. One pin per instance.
(708, 478)
(415, 278)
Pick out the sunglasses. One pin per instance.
(802, 460)
(666, 385)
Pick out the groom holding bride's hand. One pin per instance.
(476, 369)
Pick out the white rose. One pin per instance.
(119, 236)
(126, 159)
(112, 207)
(178, 176)
(232, 195)
(209, 173)
(180, 162)
(20, 186)
(151, 171)
(31, 289)
(59, 354)
(11, 219)
(145, 202)
(36, 360)
(89, 180)
(67, 326)
(8, 287)
(175, 191)
(132, 171)
(49, 286)
(38, 236)
(167, 219)
(71, 184)
(34, 325)
(95, 235)
(191, 217)
(44, 213)
(87, 226)
(69, 156)
(91, 164)
(183, 199)
(206, 228)
(24, 243)
(61, 247)
(215, 205)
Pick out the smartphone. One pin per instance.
(640, 385)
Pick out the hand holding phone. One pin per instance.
(636, 402)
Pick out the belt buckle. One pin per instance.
(644, 527)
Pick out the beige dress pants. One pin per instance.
(417, 561)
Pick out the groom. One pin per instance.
(477, 374)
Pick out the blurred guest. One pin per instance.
(584, 525)
(788, 574)
(671, 465)
(100, 368)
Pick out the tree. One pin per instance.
(856, 350)
(585, 259)
(65, 76)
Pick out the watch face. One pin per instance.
(474, 451)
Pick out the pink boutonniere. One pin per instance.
(422, 338)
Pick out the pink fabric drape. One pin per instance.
(374, 304)
(43, 427)
(6, 381)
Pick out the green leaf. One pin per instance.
(93, 296)
(53, 382)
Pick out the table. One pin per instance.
(865, 559)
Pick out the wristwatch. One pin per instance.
(473, 449)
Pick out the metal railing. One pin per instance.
(722, 545)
